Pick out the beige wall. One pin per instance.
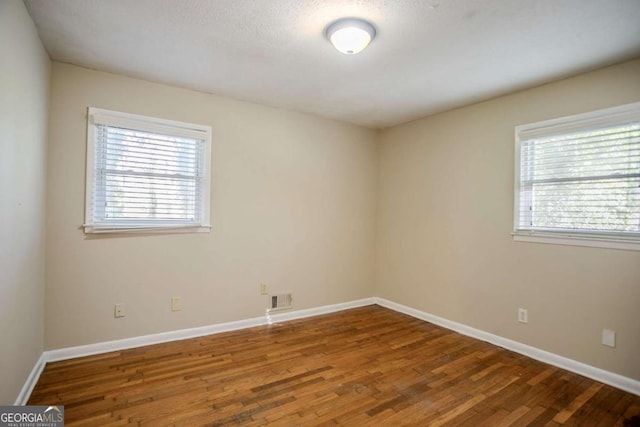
(445, 213)
(292, 204)
(24, 97)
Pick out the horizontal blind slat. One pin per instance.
(153, 141)
(569, 140)
(615, 177)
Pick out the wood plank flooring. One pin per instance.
(366, 366)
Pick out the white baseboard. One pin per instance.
(126, 343)
(316, 311)
(30, 383)
(613, 379)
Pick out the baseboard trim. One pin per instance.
(127, 343)
(316, 311)
(616, 380)
(30, 383)
(613, 379)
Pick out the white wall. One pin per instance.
(293, 202)
(445, 213)
(24, 97)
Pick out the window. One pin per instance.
(578, 179)
(146, 174)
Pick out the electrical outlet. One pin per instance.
(118, 310)
(264, 289)
(523, 315)
(609, 338)
(176, 304)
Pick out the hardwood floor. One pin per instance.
(366, 366)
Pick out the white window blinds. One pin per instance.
(580, 175)
(145, 173)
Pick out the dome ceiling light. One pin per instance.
(350, 35)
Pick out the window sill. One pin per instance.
(590, 240)
(175, 229)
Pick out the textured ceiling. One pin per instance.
(428, 56)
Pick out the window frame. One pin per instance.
(148, 124)
(584, 121)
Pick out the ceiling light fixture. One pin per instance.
(350, 35)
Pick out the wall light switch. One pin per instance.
(264, 289)
(176, 304)
(609, 338)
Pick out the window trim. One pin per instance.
(151, 124)
(610, 240)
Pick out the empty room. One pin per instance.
(320, 212)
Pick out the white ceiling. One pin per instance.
(428, 56)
